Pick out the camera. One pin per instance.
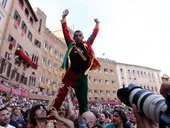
(152, 105)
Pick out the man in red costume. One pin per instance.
(78, 60)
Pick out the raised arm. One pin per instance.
(95, 32)
(65, 28)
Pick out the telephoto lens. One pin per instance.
(150, 104)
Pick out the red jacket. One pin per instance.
(93, 63)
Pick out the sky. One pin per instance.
(131, 31)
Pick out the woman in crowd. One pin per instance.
(119, 120)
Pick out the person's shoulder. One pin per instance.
(10, 126)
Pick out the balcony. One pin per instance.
(24, 57)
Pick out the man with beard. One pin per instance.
(101, 120)
(79, 59)
(4, 118)
(38, 117)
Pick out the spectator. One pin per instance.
(119, 120)
(4, 118)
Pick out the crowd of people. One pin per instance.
(20, 112)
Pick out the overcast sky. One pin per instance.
(131, 31)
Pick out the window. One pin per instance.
(134, 78)
(3, 2)
(111, 71)
(17, 17)
(107, 81)
(35, 59)
(122, 78)
(45, 45)
(113, 81)
(95, 80)
(12, 40)
(40, 24)
(49, 63)
(37, 43)
(101, 91)
(56, 53)
(106, 70)
(44, 60)
(29, 35)
(129, 78)
(152, 88)
(26, 12)
(133, 71)
(129, 71)
(61, 56)
(121, 70)
(24, 27)
(148, 74)
(107, 91)
(1, 16)
(152, 75)
(47, 81)
(138, 72)
(50, 49)
(42, 79)
(141, 73)
(56, 67)
(100, 81)
(145, 73)
(114, 92)
(31, 20)
(99, 69)
(4, 68)
(96, 91)
(21, 3)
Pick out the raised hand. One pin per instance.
(65, 13)
(97, 21)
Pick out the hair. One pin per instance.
(3, 108)
(32, 113)
(77, 31)
(26, 115)
(122, 116)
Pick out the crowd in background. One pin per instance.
(20, 109)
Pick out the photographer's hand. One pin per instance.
(165, 87)
(142, 121)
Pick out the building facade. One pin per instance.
(144, 77)
(103, 82)
(30, 53)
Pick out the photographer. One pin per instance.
(143, 121)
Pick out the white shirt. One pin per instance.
(8, 126)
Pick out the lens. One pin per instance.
(150, 104)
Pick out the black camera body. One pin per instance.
(152, 105)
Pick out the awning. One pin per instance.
(34, 66)
(24, 56)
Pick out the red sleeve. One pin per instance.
(93, 35)
(66, 31)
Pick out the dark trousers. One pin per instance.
(79, 82)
